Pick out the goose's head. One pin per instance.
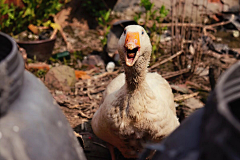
(134, 46)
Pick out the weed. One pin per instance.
(104, 21)
(78, 55)
(40, 73)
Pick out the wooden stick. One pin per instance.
(99, 144)
(180, 25)
(104, 74)
(54, 33)
(166, 60)
(198, 86)
(185, 96)
(83, 114)
(213, 54)
(69, 46)
(176, 73)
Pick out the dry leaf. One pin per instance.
(82, 75)
(33, 28)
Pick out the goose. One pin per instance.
(137, 107)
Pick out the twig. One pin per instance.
(54, 33)
(172, 28)
(166, 60)
(83, 114)
(73, 107)
(176, 73)
(69, 46)
(180, 25)
(213, 54)
(99, 144)
(91, 70)
(104, 74)
(198, 86)
(214, 25)
(185, 96)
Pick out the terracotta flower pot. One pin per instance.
(42, 49)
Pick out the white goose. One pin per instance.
(137, 106)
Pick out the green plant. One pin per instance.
(40, 73)
(36, 12)
(104, 21)
(8, 17)
(155, 16)
(78, 55)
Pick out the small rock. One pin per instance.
(110, 67)
(60, 78)
(57, 92)
(93, 60)
(219, 39)
(193, 103)
(236, 34)
(180, 88)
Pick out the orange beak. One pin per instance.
(132, 46)
(132, 40)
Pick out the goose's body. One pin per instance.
(137, 106)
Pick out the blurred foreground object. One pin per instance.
(32, 125)
(212, 132)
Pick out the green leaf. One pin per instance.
(107, 15)
(136, 18)
(46, 24)
(55, 26)
(163, 12)
(154, 48)
(27, 12)
(154, 26)
(10, 15)
(162, 9)
(155, 11)
(147, 4)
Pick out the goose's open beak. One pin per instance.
(132, 47)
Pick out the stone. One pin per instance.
(93, 60)
(110, 67)
(60, 78)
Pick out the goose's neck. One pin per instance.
(135, 76)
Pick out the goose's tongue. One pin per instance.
(131, 55)
(132, 45)
(129, 61)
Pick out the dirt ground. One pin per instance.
(191, 87)
(80, 104)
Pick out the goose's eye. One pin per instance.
(124, 31)
(142, 32)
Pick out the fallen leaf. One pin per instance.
(82, 75)
(33, 28)
(193, 103)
